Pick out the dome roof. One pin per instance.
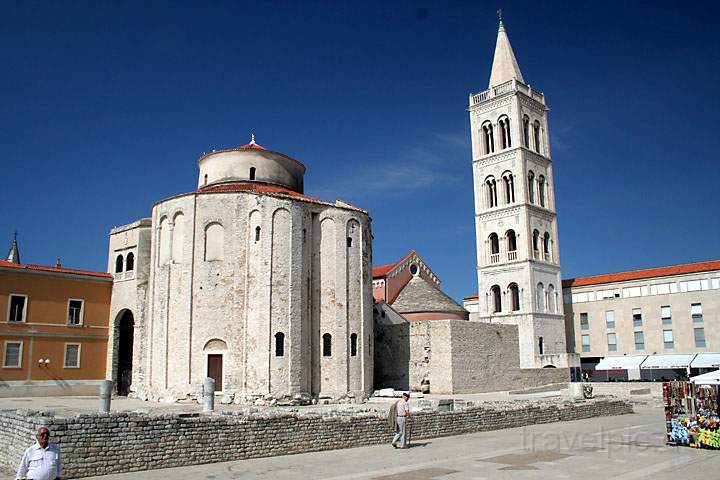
(250, 163)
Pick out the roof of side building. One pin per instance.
(43, 268)
(687, 268)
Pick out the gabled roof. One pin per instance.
(384, 270)
(421, 296)
(43, 268)
(708, 266)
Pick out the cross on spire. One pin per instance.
(252, 139)
(499, 12)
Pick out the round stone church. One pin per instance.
(248, 281)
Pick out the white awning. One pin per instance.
(624, 362)
(667, 361)
(710, 378)
(706, 360)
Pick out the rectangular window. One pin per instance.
(637, 317)
(666, 315)
(612, 342)
(72, 355)
(639, 341)
(584, 325)
(17, 308)
(668, 341)
(75, 311)
(610, 319)
(696, 312)
(699, 337)
(13, 355)
(586, 343)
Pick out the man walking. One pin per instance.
(403, 413)
(42, 460)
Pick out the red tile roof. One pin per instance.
(43, 268)
(471, 297)
(646, 273)
(383, 270)
(252, 146)
(264, 188)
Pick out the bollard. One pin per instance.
(208, 394)
(105, 394)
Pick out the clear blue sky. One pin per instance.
(106, 106)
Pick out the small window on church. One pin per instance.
(279, 344)
(252, 173)
(257, 234)
(353, 345)
(327, 345)
(205, 179)
(413, 269)
(130, 262)
(119, 264)
(349, 242)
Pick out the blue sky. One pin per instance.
(107, 105)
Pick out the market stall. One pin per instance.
(691, 411)
(624, 367)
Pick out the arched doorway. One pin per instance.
(125, 330)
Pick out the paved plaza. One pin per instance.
(621, 447)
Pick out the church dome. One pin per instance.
(250, 163)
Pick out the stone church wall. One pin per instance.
(142, 441)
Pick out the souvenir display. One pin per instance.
(691, 414)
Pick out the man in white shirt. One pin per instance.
(403, 412)
(42, 460)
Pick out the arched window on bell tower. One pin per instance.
(536, 136)
(514, 297)
(536, 244)
(492, 192)
(494, 244)
(488, 138)
(546, 247)
(496, 299)
(511, 244)
(531, 187)
(526, 131)
(509, 187)
(541, 190)
(504, 126)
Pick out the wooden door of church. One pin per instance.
(214, 370)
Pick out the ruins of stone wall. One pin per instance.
(142, 442)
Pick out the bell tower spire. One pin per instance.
(505, 66)
(14, 253)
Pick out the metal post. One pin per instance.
(105, 394)
(208, 394)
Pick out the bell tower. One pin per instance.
(518, 262)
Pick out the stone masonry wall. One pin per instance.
(99, 444)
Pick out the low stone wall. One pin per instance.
(628, 390)
(99, 444)
(50, 388)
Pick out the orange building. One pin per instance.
(53, 329)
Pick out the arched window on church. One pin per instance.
(541, 346)
(164, 241)
(541, 190)
(536, 244)
(492, 191)
(119, 264)
(353, 345)
(488, 138)
(504, 125)
(526, 131)
(252, 173)
(279, 344)
(130, 262)
(546, 247)
(509, 184)
(514, 297)
(327, 345)
(257, 234)
(511, 244)
(540, 297)
(536, 136)
(494, 248)
(496, 294)
(214, 242)
(531, 187)
(178, 235)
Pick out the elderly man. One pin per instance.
(42, 460)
